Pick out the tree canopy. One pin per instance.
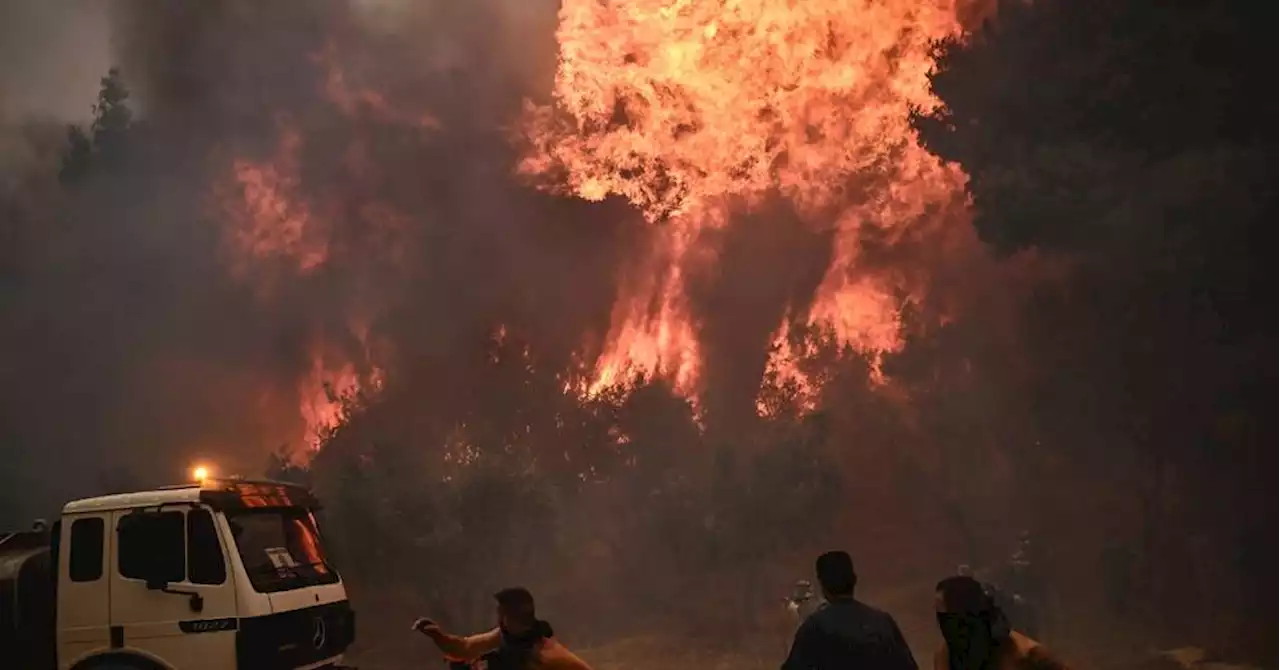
(105, 139)
(1132, 141)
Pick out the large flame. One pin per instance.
(683, 106)
(686, 109)
(651, 333)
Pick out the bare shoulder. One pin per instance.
(1040, 658)
(556, 656)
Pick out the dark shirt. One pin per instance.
(849, 635)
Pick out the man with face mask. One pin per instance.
(977, 633)
(521, 641)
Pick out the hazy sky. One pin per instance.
(54, 52)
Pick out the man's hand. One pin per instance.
(427, 627)
(457, 648)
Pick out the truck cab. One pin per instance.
(208, 576)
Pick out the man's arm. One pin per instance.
(458, 648)
(804, 648)
(899, 652)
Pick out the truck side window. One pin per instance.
(152, 546)
(86, 549)
(204, 553)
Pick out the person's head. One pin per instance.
(961, 594)
(516, 613)
(836, 575)
(970, 621)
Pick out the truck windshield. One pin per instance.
(280, 548)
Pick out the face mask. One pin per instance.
(970, 645)
(527, 639)
(520, 641)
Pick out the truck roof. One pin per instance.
(174, 494)
(208, 491)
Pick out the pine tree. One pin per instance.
(112, 117)
(105, 139)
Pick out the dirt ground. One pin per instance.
(1086, 642)
(656, 653)
(666, 652)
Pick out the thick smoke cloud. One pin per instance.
(132, 345)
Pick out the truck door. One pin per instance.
(80, 557)
(172, 596)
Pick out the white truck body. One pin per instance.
(213, 576)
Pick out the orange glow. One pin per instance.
(651, 333)
(321, 393)
(332, 382)
(680, 107)
(200, 473)
(268, 219)
(355, 100)
(271, 220)
(783, 369)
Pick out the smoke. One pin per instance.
(714, 314)
(140, 337)
(54, 54)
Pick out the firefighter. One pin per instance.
(803, 602)
(846, 633)
(977, 634)
(521, 641)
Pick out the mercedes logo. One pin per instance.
(318, 633)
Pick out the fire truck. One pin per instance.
(218, 574)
